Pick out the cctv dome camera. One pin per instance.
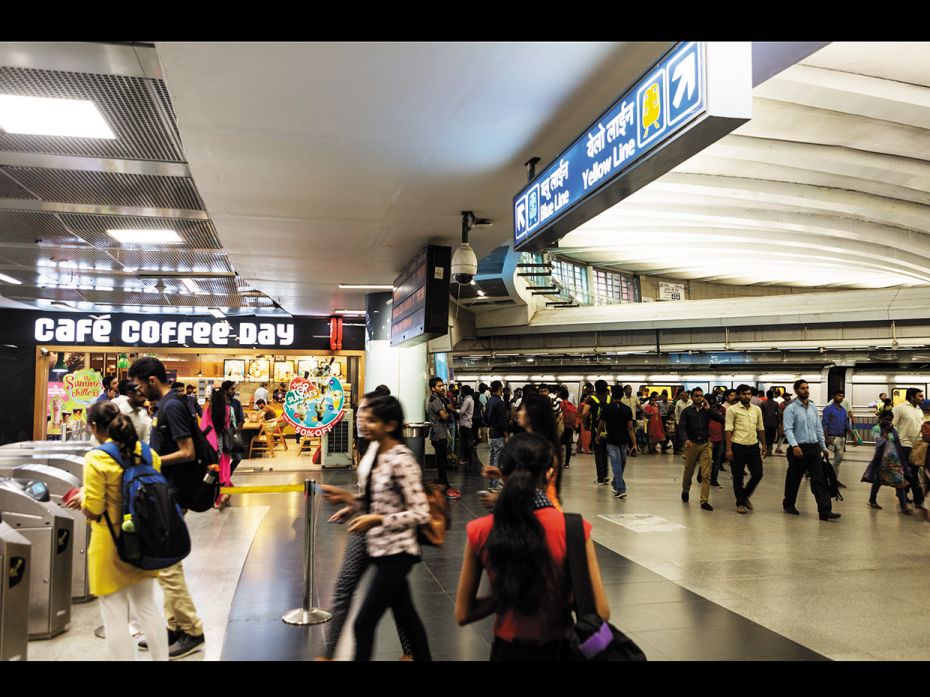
(464, 264)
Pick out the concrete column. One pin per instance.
(403, 369)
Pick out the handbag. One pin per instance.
(829, 475)
(591, 639)
(232, 438)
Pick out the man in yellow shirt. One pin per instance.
(745, 434)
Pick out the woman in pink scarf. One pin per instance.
(218, 416)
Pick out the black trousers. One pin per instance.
(389, 589)
(600, 458)
(502, 650)
(567, 442)
(720, 449)
(811, 462)
(467, 437)
(442, 460)
(770, 433)
(913, 478)
(745, 456)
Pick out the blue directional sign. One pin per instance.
(671, 95)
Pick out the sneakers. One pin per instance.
(748, 504)
(684, 496)
(874, 504)
(741, 509)
(185, 645)
(792, 510)
(716, 485)
(173, 636)
(706, 506)
(601, 483)
(619, 494)
(840, 485)
(830, 516)
(453, 494)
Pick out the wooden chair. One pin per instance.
(277, 436)
(307, 445)
(262, 442)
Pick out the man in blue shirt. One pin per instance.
(806, 443)
(835, 428)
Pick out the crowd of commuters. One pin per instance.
(532, 434)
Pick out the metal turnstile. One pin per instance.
(72, 464)
(60, 483)
(50, 529)
(77, 447)
(15, 563)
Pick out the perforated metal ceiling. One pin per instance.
(105, 188)
(134, 112)
(62, 254)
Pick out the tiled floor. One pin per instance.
(720, 586)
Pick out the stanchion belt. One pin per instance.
(270, 489)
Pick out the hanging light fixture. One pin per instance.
(60, 366)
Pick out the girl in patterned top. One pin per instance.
(396, 504)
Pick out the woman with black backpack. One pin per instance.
(121, 587)
(522, 546)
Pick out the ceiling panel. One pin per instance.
(28, 227)
(197, 234)
(130, 106)
(11, 189)
(106, 188)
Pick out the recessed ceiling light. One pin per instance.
(216, 312)
(145, 237)
(365, 286)
(191, 285)
(45, 116)
(10, 279)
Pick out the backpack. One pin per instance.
(158, 536)
(569, 414)
(196, 489)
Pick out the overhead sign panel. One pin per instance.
(664, 118)
(420, 305)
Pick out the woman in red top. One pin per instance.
(655, 429)
(522, 547)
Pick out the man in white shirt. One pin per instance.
(261, 393)
(908, 420)
(131, 402)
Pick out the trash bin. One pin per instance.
(60, 483)
(50, 529)
(15, 553)
(415, 438)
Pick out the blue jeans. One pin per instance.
(617, 455)
(497, 444)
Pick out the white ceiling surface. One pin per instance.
(828, 184)
(322, 163)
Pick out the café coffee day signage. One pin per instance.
(694, 95)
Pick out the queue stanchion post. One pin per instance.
(307, 614)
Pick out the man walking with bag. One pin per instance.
(806, 447)
(173, 440)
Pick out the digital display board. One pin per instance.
(420, 304)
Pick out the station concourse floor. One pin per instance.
(684, 583)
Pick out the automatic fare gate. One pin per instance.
(15, 563)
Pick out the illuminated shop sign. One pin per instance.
(153, 332)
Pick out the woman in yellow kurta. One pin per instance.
(121, 587)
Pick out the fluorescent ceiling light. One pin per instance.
(216, 312)
(45, 116)
(191, 285)
(350, 312)
(10, 279)
(481, 293)
(365, 286)
(145, 237)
